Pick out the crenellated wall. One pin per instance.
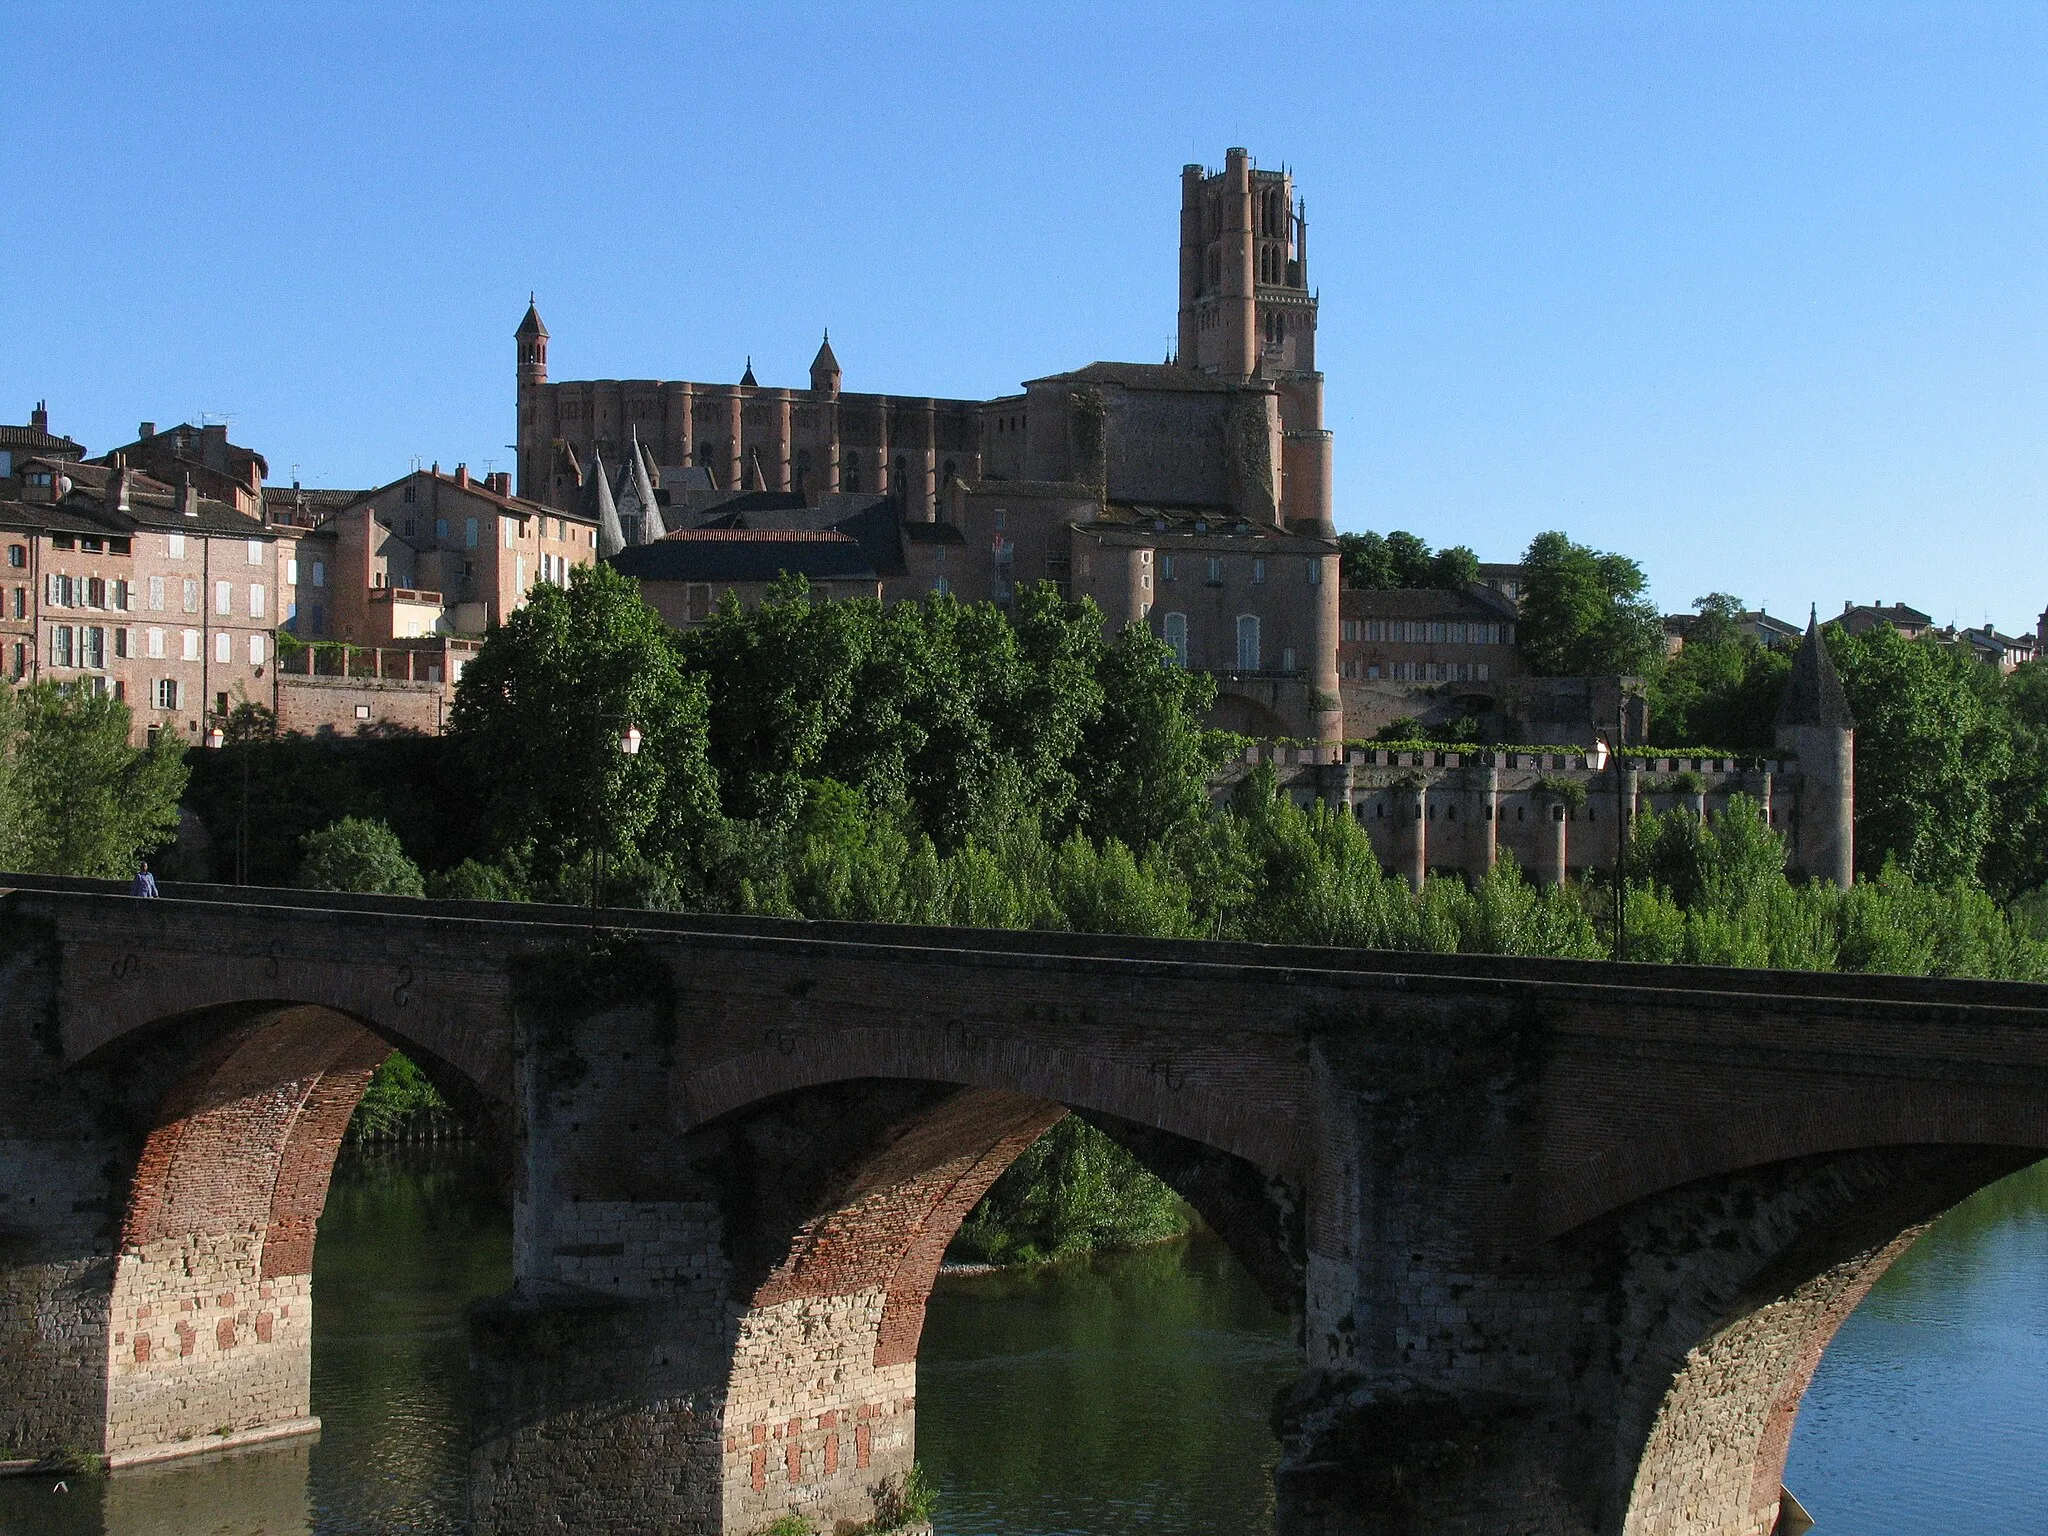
(1556, 812)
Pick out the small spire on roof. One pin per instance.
(825, 374)
(1813, 694)
(531, 325)
(747, 378)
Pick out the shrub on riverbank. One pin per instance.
(1072, 1191)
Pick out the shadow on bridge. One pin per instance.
(1564, 1241)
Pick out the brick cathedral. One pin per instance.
(1193, 496)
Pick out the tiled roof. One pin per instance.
(1420, 603)
(760, 535)
(36, 440)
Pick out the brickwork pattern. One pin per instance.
(1568, 1237)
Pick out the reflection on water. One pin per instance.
(408, 1240)
(1929, 1414)
(1130, 1392)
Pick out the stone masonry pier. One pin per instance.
(1563, 1241)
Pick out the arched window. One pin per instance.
(946, 478)
(899, 482)
(1248, 642)
(1175, 630)
(704, 455)
(802, 470)
(849, 471)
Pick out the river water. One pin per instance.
(1085, 1399)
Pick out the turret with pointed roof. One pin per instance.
(1813, 695)
(1815, 724)
(597, 504)
(825, 375)
(639, 513)
(747, 379)
(532, 339)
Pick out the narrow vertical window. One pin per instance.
(1247, 642)
(1175, 629)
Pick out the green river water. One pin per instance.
(1084, 1399)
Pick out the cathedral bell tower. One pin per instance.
(1247, 313)
(532, 341)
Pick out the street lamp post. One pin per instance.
(629, 744)
(1620, 830)
(217, 740)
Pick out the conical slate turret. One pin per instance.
(1814, 696)
(651, 527)
(1817, 732)
(825, 375)
(597, 504)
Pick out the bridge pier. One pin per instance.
(713, 1330)
(1564, 1240)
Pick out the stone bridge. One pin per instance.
(1563, 1242)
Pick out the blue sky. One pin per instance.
(1755, 293)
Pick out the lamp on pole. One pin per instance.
(628, 743)
(1620, 829)
(216, 740)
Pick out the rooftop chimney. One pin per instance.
(117, 485)
(188, 494)
(39, 418)
(146, 431)
(501, 482)
(462, 475)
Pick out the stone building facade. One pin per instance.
(154, 593)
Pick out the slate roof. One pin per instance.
(1159, 376)
(747, 554)
(1814, 696)
(1423, 603)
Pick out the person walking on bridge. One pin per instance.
(144, 883)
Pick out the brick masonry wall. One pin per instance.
(331, 706)
(1570, 1236)
(202, 1344)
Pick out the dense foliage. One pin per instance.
(358, 855)
(1723, 687)
(1585, 613)
(1377, 563)
(1716, 894)
(1071, 1191)
(940, 763)
(75, 797)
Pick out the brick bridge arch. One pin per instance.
(221, 1126)
(1565, 1239)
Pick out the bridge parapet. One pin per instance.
(1564, 1239)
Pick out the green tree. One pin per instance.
(2016, 858)
(1375, 563)
(77, 798)
(1584, 613)
(358, 855)
(539, 714)
(1146, 758)
(1722, 689)
(1931, 746)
